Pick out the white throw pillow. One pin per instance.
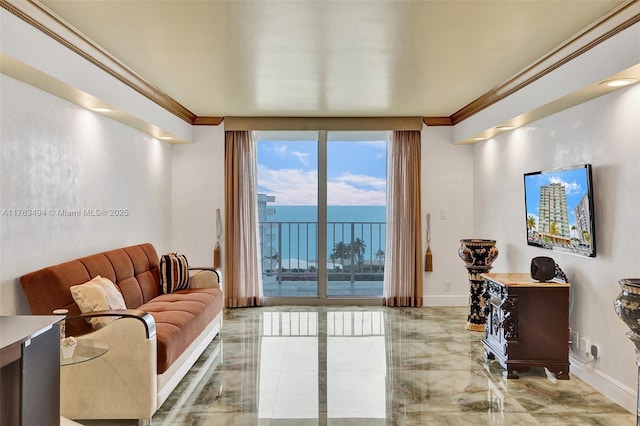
(114, 297)
(99, 294)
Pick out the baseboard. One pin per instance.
(446, 300)
(608, 386)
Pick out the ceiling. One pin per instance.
(324, 58)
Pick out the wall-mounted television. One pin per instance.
(559, 210)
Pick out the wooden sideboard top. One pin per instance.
(520, 279)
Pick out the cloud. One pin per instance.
(299, 187)
(279, 149)
(569, 188)
(303, 157)
(343, 194)
(363, 181)
(290, 186)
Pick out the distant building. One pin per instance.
(268, 232)
(263, 210)
(553, 210)
(583, 217)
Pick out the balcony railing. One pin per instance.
(355, 251)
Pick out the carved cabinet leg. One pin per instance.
(562, 373)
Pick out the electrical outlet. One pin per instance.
(574, 340)
(585, 346)
(447, 286)
(595, 351)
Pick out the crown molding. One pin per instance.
(437, 121)
(42, 18)
(618, 19)
(39, 16)
(207, 121)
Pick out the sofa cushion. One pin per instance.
(180, 317)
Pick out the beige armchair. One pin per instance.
(122, 383)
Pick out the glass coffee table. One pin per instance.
(84, 350)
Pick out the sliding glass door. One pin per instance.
(356, 213)
(322, 213)
(288, 213)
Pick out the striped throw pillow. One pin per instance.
(174, 272)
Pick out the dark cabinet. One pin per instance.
(527, 324)
(30, 370)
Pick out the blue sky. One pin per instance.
(574, 181)
(356, 172)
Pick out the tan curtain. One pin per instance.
(242, 268)
(403, 257)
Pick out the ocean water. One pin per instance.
(292, 231)
(334, 214)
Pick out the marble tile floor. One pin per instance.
(357, 366)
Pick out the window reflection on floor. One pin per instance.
(307, 370)
(289, 366)
(356, 365)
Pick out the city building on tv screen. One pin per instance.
(559, 210)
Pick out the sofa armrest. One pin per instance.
(144, 317)
(204, 277)
(122, 383)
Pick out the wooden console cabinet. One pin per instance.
(527, 323)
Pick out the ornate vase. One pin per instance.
(627, 306)
(478, 256)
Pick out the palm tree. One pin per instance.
(340, 251)
(359, 246)
(380, 256)
(531, 222)
(553, 230)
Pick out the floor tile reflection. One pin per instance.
(356, 366)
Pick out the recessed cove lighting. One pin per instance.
(480, 138)
(165, 138)
(618, 82)
(505, 127)
(101, 109)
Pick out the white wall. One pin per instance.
(447, 189)
(606, 133)
(198, 190)
(56, 155)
